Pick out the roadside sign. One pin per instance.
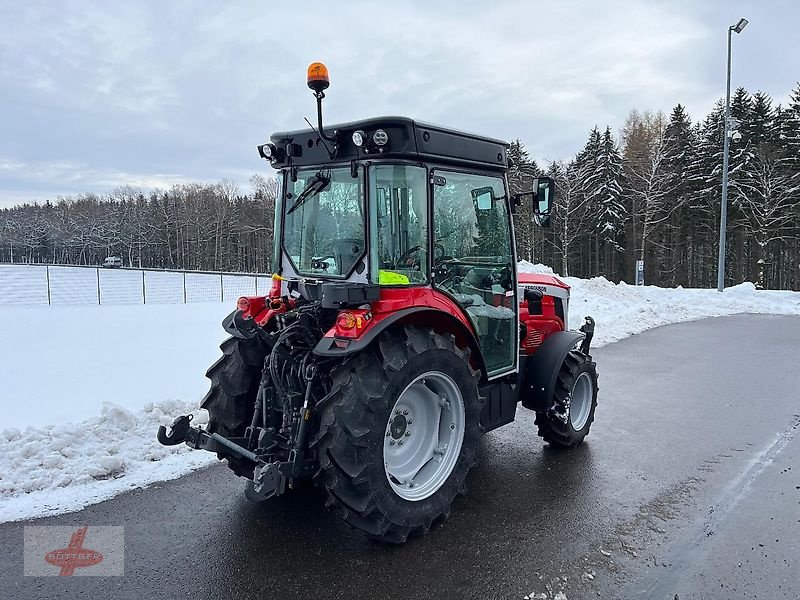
(639, 272)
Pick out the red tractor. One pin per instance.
(397, 330)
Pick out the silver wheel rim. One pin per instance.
(580, 403)
(423, 437)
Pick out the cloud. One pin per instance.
(156, 92)
(34, 182)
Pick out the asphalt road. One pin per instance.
(687, 487)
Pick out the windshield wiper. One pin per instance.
(315, 184)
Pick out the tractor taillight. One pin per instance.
(243, 304)
(346, 320)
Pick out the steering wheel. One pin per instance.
(403, 261)
(405, 255)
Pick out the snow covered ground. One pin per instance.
(82, 392)
(59, 364)
(83, 389)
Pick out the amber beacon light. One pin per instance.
(318, 79)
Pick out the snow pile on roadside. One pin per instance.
(622, 310)
(528, 267)
(60, 468)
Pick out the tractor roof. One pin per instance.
(408, 139)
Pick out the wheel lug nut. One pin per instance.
(452, 425)
(397, 411)
(405, 412)
(410, 421)
(400, 443)
(391, 442)
(408, 433)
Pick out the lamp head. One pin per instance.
(318, 79)
(740, 25)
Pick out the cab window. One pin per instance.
(399, 224)
(474, 261)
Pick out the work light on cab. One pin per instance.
(380, 137)
(269, 152)
(359, 137)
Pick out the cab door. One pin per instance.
(474, 260)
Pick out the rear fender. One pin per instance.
(332, 346)
(541, 369)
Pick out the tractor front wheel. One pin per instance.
(568, 420)
(398, 433)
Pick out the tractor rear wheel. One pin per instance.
(234, 386)
(398, 433)
(568, 421)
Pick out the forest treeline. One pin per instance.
(655, 195)
(650, 193)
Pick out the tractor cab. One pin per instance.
(400, 211)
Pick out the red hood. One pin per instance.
(540, 279)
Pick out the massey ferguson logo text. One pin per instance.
(74, 556)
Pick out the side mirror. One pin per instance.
(543, 191)
(484, 197)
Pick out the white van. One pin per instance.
(112, 262)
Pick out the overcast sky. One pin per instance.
(95, 95)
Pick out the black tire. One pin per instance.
(234, 386)
(555, 426)
(353, 418)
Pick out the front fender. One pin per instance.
(541, 369)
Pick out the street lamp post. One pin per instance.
(723, 216)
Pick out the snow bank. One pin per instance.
(61, 468)
(61, 367)
(139, 366)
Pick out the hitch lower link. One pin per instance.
(269, 478)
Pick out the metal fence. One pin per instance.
(61, 285)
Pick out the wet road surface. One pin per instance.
(688, 486)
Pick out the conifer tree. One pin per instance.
(521, 172)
